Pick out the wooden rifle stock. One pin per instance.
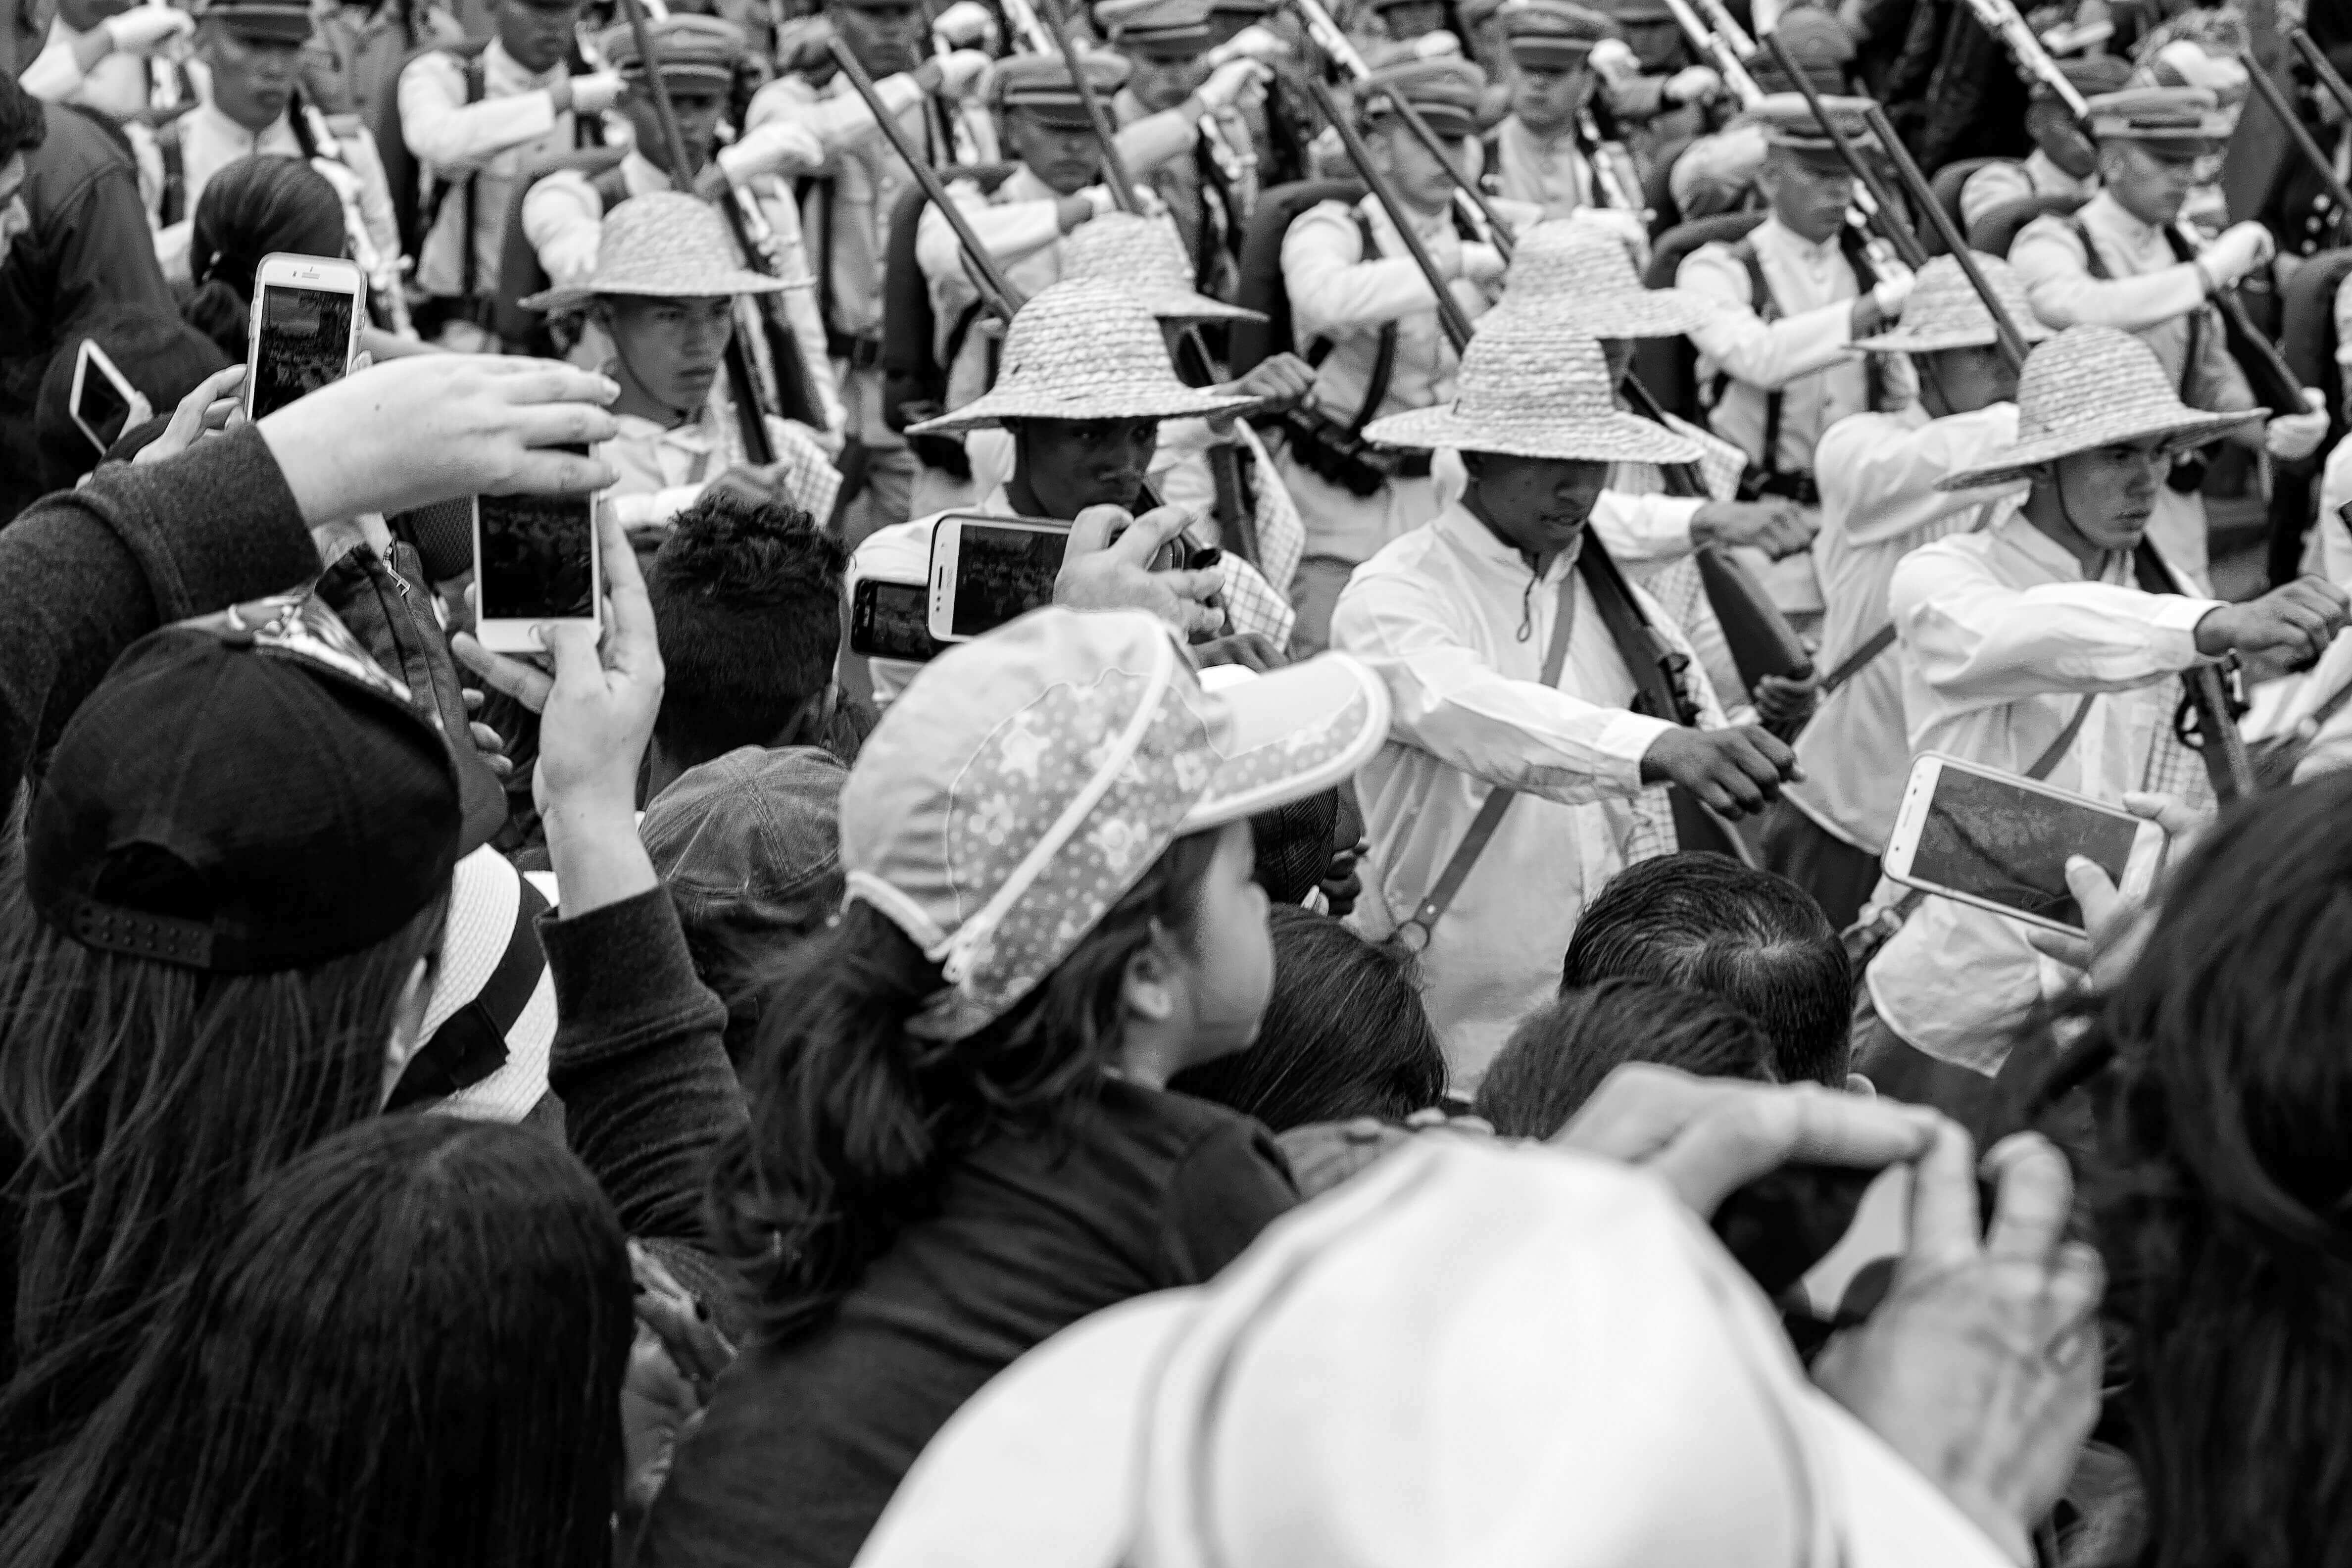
(1450, 315)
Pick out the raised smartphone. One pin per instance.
(102, 397)
(536, 561)
(986, 571)
(307, 315)
(890, 620)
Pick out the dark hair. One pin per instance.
(1294, 846)
(2222, 1188)
(854, 1121)
(1344, 1034)
(407, 1351)
(24, 125)
(1755, 940)
(747, 604)
(255, 205)
(159, 354)
(137, 1101)
(1559, 1053)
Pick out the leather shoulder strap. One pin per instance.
(1884, 637)
(1376, 386)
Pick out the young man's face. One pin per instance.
(699, 105)
(1961, 381)
(1420, 179)
(886, 38)
(1163, 81)
(253, 77)
(1547, 100)
(2109, 491)
(671, 347)
(2152, 186)
(1067, 158)
(1536, 505)
(537, 36)
(1413, 18)
(1073, 464)
(1809, 197)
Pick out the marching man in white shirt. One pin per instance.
(1520, 661)
(1880, 475)
(2047, 645)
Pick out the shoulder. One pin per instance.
(1923, 572)
(1858, 436)
(2000, 172)
(781, 99)
(439, 66)
(73, 155)
(1718, 266)
(1331, 224)
(2050, 228)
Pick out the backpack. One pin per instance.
(401, 173)
(1260, 286)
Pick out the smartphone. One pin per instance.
(306, 314)
(985, 571)
(536, 561)
(891, 620)
(2000, 842)
(102, 397)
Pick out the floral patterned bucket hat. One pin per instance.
(1027, 779)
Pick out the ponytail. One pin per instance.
(855, 1123)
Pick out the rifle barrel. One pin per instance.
(2275, 99)
(1898, 233)
(2324, 68)
(1449, 310)
(1465, 186)
(1923, 196)
(1122, 183)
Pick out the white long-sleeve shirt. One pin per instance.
(513, 123)
(1548, 173)
(116, 85)
(2000, 635)
(1440, 614)
(1879, 502)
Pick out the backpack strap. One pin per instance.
(476, 80)
(1865, 278)
(1767, 309)
(1376, 386)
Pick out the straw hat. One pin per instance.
(1532, 388)
(1580, 275)
(2092, 386)
(1944, 311)
(1084, 349)
(665, 245)
(1145, 257)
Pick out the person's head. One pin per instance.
(1808, 193)
(2217, 1188)
(1482, 23)
(1550, 46)
(537, 33)
(163, 359)
(81, 16)
(1822, 48)
(2052, 125)
(1086, 382)
(699, 57)
(1757, 940)
(1963, 380)
(252, 207)
(406, 1346)
(667, 350)
(1560, 1052)
(2151, 141)
(1344, 1036)
(884, 34)
(1405, 20)
(1165, 41)
(23, 126)
(1048, 863)
(1445, 90)
(252, 50)
(747, 600)
(1951, 339)
(194, 991)
(1045, 121)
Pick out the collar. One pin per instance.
(1427, 225)
(1460, 528)
(2112, 214)
(221, 127)
(640, 176)
(1518, 131)
(2017, 531)
(1789, 239)
(696, 435)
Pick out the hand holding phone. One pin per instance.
(305, 328)
(1107, 566)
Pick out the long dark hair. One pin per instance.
(406, 1352)
(2222, 1190)
(855, 1121)
(138, 1099)
(253, 207)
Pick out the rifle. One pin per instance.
(2323, 69)
(1906, 169)
(1879, 204)
(382, 272)
(1122, 183)
(2275, 100)
(1028, 30)
(1449, 310)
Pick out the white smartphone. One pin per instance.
(985, 571)
(2000, 841)
(536, 562)
(307, 315)
(103, 399)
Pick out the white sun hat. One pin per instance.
(1084, 349)
(663, 245)
(489, 1024)
(1489, 1354)
(1531, 387)
(2088, 387)
(1944, 312)
(1145, 255)
(1581, 276)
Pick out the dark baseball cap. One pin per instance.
(248, 793)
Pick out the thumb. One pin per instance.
(572, 646)
(2093, 889)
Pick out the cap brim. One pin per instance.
(1605, 438)
(1889, 1516)
(1069, 1417)
(1899, 342)
(1625, 313)
(1290, 733)
(736, 280)
(2020, 461)
(1174, 401)
(1184, 305)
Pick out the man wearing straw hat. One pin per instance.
(563, 213)
(2117, 263)
(664, 293)
(1880, 475)
(2047, 645)
(1518, 660)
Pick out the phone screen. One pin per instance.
(1987, 837)
(1003, 573)
(102, 410)
(891, 620)
(306, 339)
(538, 557)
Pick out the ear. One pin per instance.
(1857, 1084)
(407, 1022)
(1147, 989)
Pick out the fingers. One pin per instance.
(2073, 952)
(2032, 1197)
(1144, 537)
(633, 645)
(570, 422)
(1748, 1135)
(1944, 1219)
(2093, 890)
(1090, 532)
(2175, 816)
(573, 647)
(526, 684)
(547, 473)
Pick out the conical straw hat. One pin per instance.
(1145, 257)
(2089, 387)
(1944, 311)
(1580, 274)
(663, 245)
(1084, 349)
(1533, 388)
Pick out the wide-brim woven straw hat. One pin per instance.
(1944, 311)
(663, 245)
(1580, 274)
(1084, 349)
(1145, 257)
(1532, 388)
(2088, 387)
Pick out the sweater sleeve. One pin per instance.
(86, 573)
(639, 1061)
